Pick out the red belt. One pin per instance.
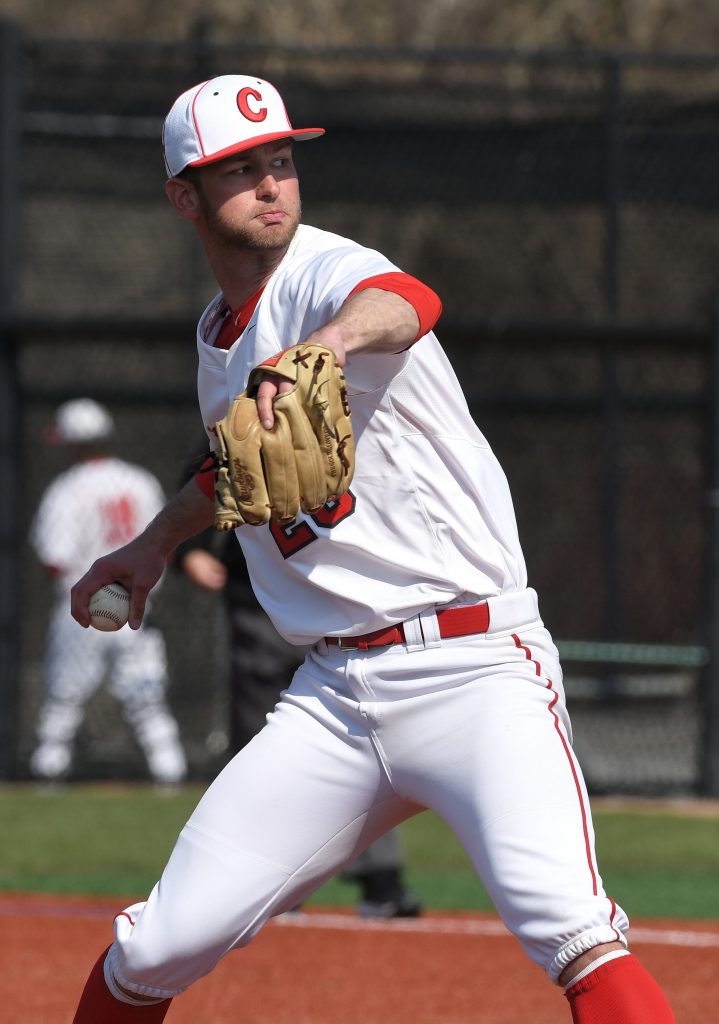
(451, 621)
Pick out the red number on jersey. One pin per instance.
(290, 539)
(333, 512)
(120, 520)
(293, 538)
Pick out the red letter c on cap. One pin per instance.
(242, 97)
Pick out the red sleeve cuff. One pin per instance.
(205, 477)
(426, 303)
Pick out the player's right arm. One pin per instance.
(139, 565)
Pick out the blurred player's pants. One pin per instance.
(134, 663)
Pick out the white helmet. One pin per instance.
(81, 421)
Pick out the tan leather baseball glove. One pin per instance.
(305, 460)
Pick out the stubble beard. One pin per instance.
(252, 238)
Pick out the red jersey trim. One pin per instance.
(236, 320)
(426, 303)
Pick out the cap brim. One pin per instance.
(298, 135)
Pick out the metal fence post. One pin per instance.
(9, 412)
(613, 540)
(710, 748)
(614, 181)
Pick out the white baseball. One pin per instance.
(109, 607)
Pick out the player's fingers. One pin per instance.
(83, 590)
(79, 600)
(138, 600)
(269, 388)
(266, 393)
(140, 582)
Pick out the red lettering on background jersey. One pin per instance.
(252, 115)
(120, 520)
(291, 539)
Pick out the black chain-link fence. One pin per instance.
(564, 207)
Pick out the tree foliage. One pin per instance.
(669, 25)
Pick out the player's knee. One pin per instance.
(136, 967)
(135, 978)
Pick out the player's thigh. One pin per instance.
(302, 798)
(297, 780)
(499, 767)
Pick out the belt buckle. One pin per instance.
(345, 646)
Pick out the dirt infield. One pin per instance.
(327, 966)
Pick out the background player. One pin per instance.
(432, 681)
(101, 501)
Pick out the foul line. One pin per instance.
(486, 927)
(478, 926)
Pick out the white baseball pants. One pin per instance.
(474, 728)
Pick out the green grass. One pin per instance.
(114, 840)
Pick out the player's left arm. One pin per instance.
(393, 315)
(388, 318)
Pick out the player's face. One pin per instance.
(252, 201)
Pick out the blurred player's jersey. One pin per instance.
(92, 509)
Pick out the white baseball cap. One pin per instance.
(223, 116)
(80, 421)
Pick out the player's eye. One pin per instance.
(282, 159)
(237, 168)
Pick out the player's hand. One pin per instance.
(138, 566)
(272, 384)
(204, 570)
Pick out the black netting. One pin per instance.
(555, 203)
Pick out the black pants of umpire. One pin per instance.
(262, 666)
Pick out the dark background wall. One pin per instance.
(564, 207)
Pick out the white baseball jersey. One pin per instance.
(429, 517)
(93, 508)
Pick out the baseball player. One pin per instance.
(431, 681)
(96, 504)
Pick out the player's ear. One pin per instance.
(183, 196)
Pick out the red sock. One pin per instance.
(621, 991)
(99, 1006)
